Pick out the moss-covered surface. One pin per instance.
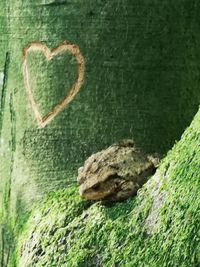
(64, 230)
(141, 82)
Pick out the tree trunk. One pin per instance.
(139, 64)
(159, 227)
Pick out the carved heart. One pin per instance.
(49, 54)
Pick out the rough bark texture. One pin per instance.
(141, 82)
(159, 227)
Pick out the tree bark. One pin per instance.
(141, 81)
(159, 227)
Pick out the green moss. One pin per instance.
(142, 71)
(64, 230)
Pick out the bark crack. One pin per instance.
(13, 142)
(3, 91)
(6, 250)
(2, 247)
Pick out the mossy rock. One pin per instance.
(158, 227)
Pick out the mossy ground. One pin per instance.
(64, 230)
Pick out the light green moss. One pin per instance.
(64, 230)
(141, 82)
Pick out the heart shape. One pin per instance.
(66, 46)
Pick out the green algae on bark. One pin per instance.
(64, 230)
(142, 71)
